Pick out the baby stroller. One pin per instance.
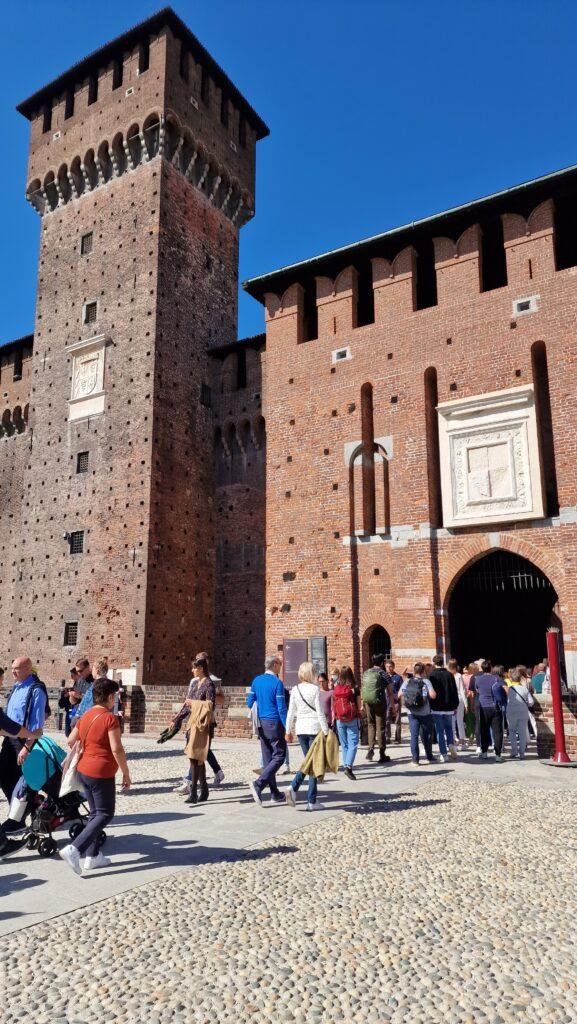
(42, 771)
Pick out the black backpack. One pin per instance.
(413, 695)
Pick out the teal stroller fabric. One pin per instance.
(42, 762)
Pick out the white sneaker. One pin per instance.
(219, 777)
(100, 861)
(314, 807)
(183, 788)
(453, 753)
(72, 857)
(443, 758)
(478, 750)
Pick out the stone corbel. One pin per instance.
(161, 135)
(237, 211)
(190, 169)
(126, 149)
(202, 178)
(101, 178)
(58, 187)
(72, 182)
(176, 154)
(226, 199)
(143, 147)
(86, 178)
(215, 187)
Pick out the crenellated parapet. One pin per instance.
(160, 135)
(529, 244)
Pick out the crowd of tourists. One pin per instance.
(444, 706)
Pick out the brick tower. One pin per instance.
(141, 166)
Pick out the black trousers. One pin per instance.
(101, 796)
(10, 770)
(491, 719)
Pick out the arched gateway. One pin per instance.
(500, 608)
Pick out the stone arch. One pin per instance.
(479, 546)
(259, 430)
(50, 190)
(151, 134)
(34, 195)
(201, 166)
(104, 163)
(77, 176)
(18, 419)
(89, 170)
(63, 185)
(500, 604)
(134, 143)
(403, 262)
(118, 154)
(172, 135)
(7, 427)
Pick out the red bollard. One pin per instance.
(560, 756)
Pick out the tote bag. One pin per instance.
(71, 782)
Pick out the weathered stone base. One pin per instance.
(543, 712)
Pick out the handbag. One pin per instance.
(71, 782)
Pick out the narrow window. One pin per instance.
(92, 89)
(82, 462)
(368, 460)
(310, 313)
(77, 542)
(545, 426)
(426, 287)
(86, 243)
(117, 74)
(17, 364)
(70, 634)
(47, 117)
(241, 369)
(565, 222)
(242, 131)
(365, 295)
(433, 462)
(69, 104)
(206, 395)
(493, 259)
(224, 109)
(204, 86)
(90, 312)
(143, 57)
(183, 63)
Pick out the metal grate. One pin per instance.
(86, 244)
(90, 312)
(503, 573)
(70, 634)
(82, 462)
(77, 542)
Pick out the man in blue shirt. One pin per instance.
(26, 706)
(267, 692)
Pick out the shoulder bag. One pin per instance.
(71, 782)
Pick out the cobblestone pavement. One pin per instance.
(452, 902)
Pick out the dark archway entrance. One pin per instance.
(379, 642)
(500, 609)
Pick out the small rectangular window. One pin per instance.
(77, 542)
(86, 243)
(90, 312)
(69, 104)
(224, 109)
(82, 462)
(242, 131)
(184, 63)
(143, 57)
(117, 74)
(70, 634)
(204, 86)
(47, 117)
(17, 364)
(206, 396)
(92, 89)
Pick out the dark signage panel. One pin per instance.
(295, 652)
(319, 652)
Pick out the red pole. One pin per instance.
(560, 756)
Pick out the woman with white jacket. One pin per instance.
(305, 717)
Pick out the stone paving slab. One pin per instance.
(155, 834)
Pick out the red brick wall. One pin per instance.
(543, 712)
(312, 409)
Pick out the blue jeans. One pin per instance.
(421, 725)
(306, 742)
(348, 733)
(444, 728)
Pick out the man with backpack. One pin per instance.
(415, 694)
(28, 706)
(377, 696)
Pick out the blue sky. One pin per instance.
(380, 112)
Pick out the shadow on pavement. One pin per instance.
(157, 852)
(10, 884)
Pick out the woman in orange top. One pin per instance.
(102, 755)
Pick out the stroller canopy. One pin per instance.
(42, 762)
